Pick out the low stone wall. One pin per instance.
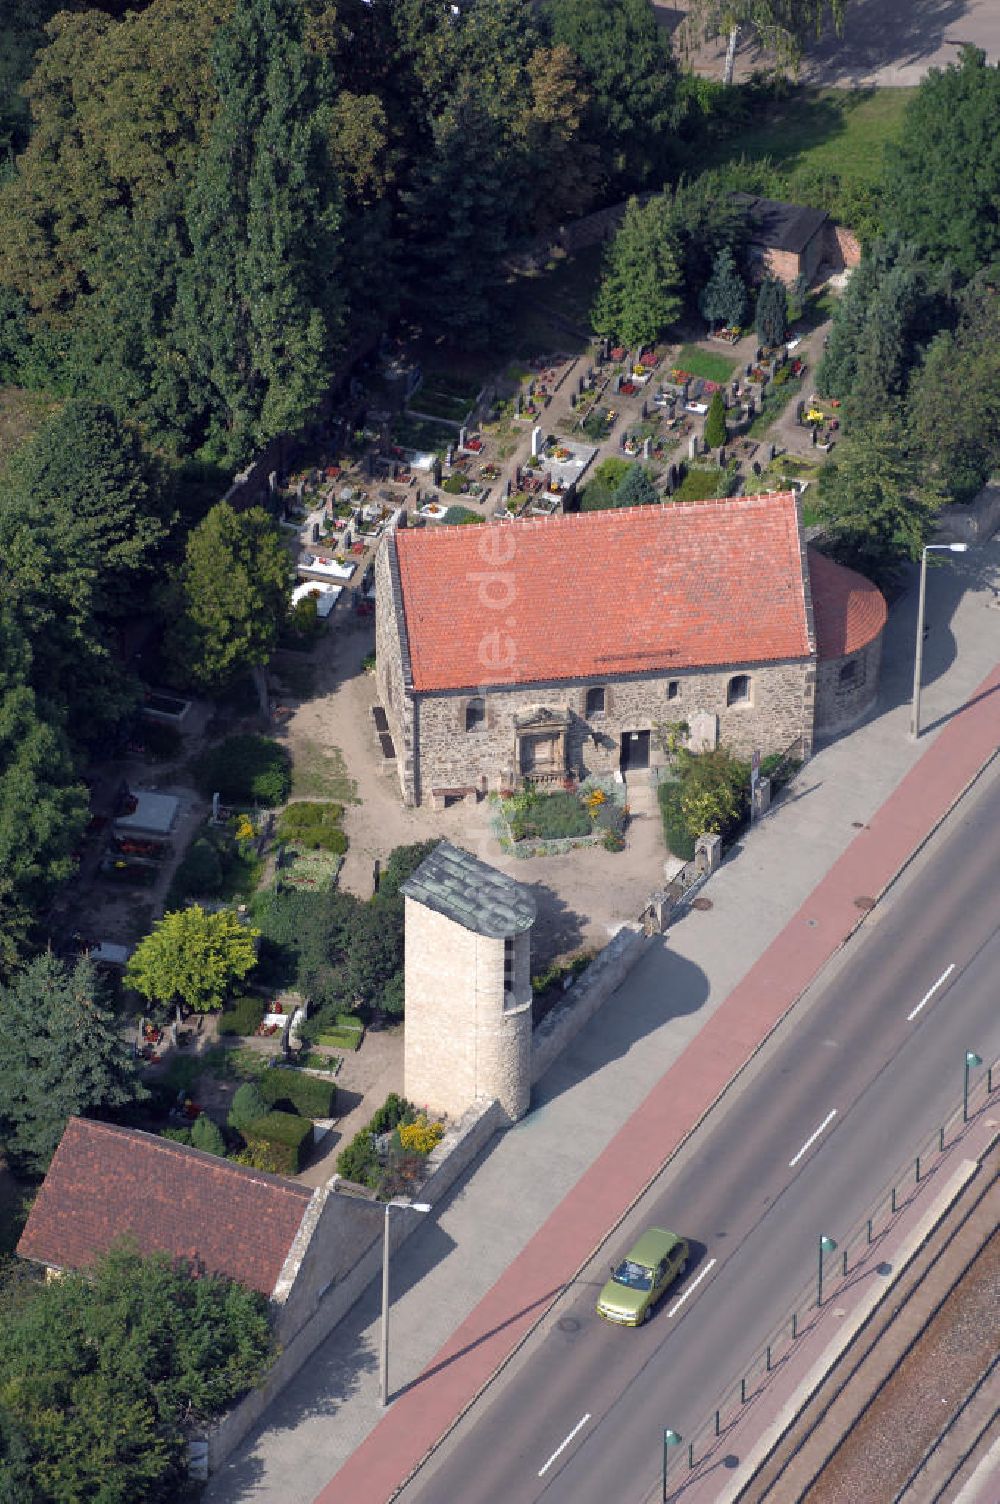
(453, 1155)
(587, 994)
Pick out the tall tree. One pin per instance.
(724, 296)
(103, 1371)
(80, 531)
(640, 289)
(943, 175)
(230, 598)
(192, 957)
(457, 224)
(954, 397)
(43, 808)
(61, 1054)
(772, 312)
(781, 26)
(631, 76)
(260, 302)
(877, 503)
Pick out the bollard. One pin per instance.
(917, 1180)
(894, 1201)
(845, 1263)
(869, 1232)
(690, 1455)
(718, 1424)
(940, 1140)
(795, 1324)
(743, 1391)
(768, 1367)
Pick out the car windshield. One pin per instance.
(634, 1276)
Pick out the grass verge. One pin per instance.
(321, 773)
(705, 363)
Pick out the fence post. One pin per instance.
(768, 1368)
(940, 1140)
(917, 1181)
(894, 1200)
(718, 1425)
(690, 1455)
(869, 1232)
(743, 1390)
(845, 1263)
(795, 1324)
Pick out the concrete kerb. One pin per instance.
(544, 1311)
(863, 1314)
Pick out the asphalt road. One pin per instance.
(578, 1415)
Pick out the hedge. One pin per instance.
(308, 1095)
(314, 826)
(242, 1016)
(675, 831)
(284, 1135)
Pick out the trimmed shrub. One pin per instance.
(420, 1137)
(359, 1161)
(284, 1136)
(715, 423)
(248, 1106)
(177, 1135)
(341, 1039)
(242, 1015)
(207, 1136)
(675, 831)
(394, 1110)
(307, 1095)
(246, 768)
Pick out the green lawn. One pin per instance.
(319, 772)
(705, 363)
(826, 130)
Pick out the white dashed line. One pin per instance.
(559, 1449)
(812, 1138)
(692, 1286)
(928, 995)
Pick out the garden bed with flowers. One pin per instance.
(532, 823)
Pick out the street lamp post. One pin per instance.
(918, 663)
(670, 1439)
(383, 1367)
(826, 1245)
(972, 1060)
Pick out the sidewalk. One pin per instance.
(475, 1276)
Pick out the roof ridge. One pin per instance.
(155, 1142)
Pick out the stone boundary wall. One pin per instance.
(843, 248)
(592, 989)
(976, 523)
(461, 1144)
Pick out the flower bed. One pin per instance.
(310, 869)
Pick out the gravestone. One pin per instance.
(672, 479)
(722, 459)
(645, 409)
(747, 369)
(461, 438)
(300, 490)
(646, 448)
(315, 532)
(582, 387)
(771, 452)
(436, 470)
(517, 409)
(509, 489)
(450, 456)
(536, 441)
(703, 733)
(800, 408)
(755, 467)
(751, 408)
(618, 384)
(272, 482)
(693, 447)
(348, 540)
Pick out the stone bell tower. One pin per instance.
(467, 1034)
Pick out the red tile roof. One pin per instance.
(106, 1183)
(849, 611)
(596, 594)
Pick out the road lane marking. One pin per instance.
(813, 1137)
(692, 1286)
(559, 1449)
(927, 996)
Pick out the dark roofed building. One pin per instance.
(786, 240)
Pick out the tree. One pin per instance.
(232, 597)
(259, 296)
(192, 957)
(781, 26)
(43, 807)
(942, 180)
(959, 441)
(877, 503)
(61, 1054)
(893, 306)
(80, 534)
(103, 1372)
(724, 297)
(639, 294)
(636, 489)
(247, 1106)
(772, 312)
(631, 77)
(715, 423)
(456, 222)
(206, 1136)
(715, 790)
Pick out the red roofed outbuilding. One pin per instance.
(562, 646)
